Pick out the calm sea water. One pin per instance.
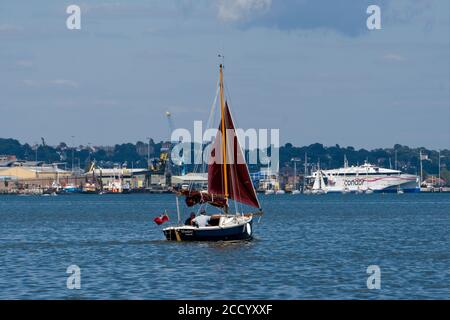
(306, 247)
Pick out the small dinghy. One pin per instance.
(319, 186)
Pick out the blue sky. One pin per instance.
(308, 67)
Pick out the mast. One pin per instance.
(178, 210)
(421, 167)
(306, 169)
(295, 175)
(229, 180)
(395, 162)
(439, 181)
(224, 146)
(319, 172)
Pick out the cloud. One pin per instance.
(342, 16)
(7, 28)
(105, 103)
(64, 83)
(129, 9)
(184, 109)
(347, 17)
(24, 63)
(30, 83)
(56, 82)
(242, 10)
(393, 57)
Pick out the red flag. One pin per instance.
(161, 219)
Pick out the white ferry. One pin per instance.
(366, 178)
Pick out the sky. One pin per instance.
(310, 68)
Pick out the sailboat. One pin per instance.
(228, 179)
(278, 189)
(305, 189)
(319, 186)
(269, 187)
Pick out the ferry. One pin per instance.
(366, 178)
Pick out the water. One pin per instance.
(306, 247)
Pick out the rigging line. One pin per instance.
(208, 124)
(241, 150)
(236, 188)
(237, 205)
(235, 184)
(233, 173)
(233, 165)
(212, 112)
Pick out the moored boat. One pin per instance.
(366, 178)
(319, 186)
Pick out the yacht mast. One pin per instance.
(304, 176)
(295, 175)
(224, 146)
(421, 167)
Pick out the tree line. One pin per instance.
(136, 155)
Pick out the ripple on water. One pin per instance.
(305, 247)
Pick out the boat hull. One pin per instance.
(187, 233)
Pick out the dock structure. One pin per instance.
(37, 177)
(31, 177)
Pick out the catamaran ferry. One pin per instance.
(366, 178)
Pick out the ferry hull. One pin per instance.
(379, 184)
(395, 190)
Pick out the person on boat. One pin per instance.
(189, 221)
(202, 220)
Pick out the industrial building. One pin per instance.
(19, 174)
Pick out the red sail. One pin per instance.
(240, 186)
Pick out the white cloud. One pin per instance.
(393, 57)
(105, 103)
(6, 28)
(24, 63)
(30, 83)
(239, 10)
(64, 83)
(56, 82)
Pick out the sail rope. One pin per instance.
(240, 149)
(236, 190)
(208, 125)
(202, 166)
